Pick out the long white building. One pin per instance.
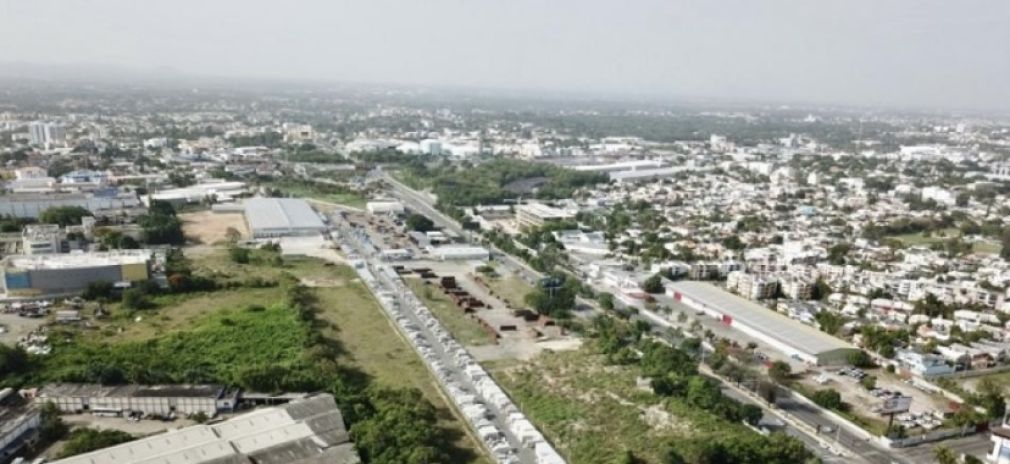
(786, 335)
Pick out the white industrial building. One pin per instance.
(633, 165)
(461, 253)
(218, 189)
(163, 400)
(281, 217)
(305, 431)
(61, 274)
(110, 203)
(384, 207)
(786, 335)
(640, 175)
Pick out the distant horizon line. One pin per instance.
(113, 73)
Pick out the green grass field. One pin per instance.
(918, 239)
(463, 328)
(306, 191)
(510, 289)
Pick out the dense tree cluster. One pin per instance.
(11, 224)
(63, 215)
(653, 284)
(554, 296)
(84, 440)
(495, 181)
(160, 225)
(829, 399)
(907, 226)
(673, 373)
(420, 223)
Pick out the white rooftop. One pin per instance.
(301, 431)
(281, 213)
(76, 260)
(802, 337)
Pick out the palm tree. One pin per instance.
(945, 455)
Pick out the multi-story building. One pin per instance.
(47, 133)
(753, 286)
(797, 288)
(41, 239)
(538, 214)
(703, 271)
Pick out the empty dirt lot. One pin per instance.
(208, 227)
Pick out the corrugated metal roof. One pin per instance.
(281, 213)
(803, 338)
(301, 431)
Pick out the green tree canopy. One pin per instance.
(63, 215)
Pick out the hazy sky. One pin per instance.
(923, 53)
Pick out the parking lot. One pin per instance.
(925, 413)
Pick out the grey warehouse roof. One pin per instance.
(792, 333)
(281, 214)
(305, 431)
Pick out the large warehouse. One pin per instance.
(74, 398)
(788, 336)
(305, 431)
(57, 274)
(281, 217)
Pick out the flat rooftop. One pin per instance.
(543, 211)
(793, 333)
(281, 213)
(77, 260)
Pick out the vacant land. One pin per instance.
(999, 378)
(594, 412)
(511, 289)
(462, 327)
(208, 227)
(14, 327)
(321, 192)
(919, 239)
